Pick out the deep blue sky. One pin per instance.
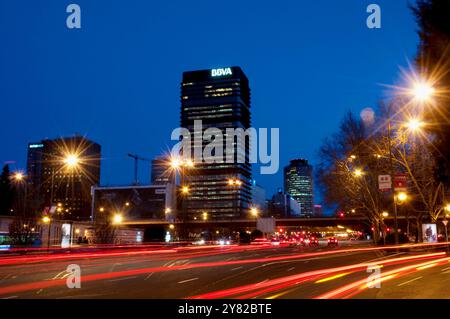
(117, 79)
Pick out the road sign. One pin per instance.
(445, 222)
(400, 181)
(384, 183)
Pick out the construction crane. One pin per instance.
(137, 158)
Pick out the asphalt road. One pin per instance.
(265, 271)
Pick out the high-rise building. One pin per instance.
(318, 211)
(161, 174)
(220, 98)
(298, 182)
(283, 205)
(259, 199)
(60, 175)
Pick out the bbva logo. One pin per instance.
(221, 72)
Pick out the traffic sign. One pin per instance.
(445, 222)
(400, 182)
(384, 183)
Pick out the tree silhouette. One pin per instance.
(6, 191)
(433, 61)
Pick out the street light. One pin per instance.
(414, 124)
(117, 219)
(47, 220)
(175, 163)
(71, 160)
(402, 196)
(234, 182)
(18, 176)
(179, 165)
(205, 216)
(422, 91)
(385, 214)
(254, 211)
(358, 172)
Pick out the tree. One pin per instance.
(411, 153)
(6, 191)
(349, 169)
(104, 230)
(433, 61)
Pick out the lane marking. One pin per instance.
(11, 297)
(187, 280)
(409, 281)
(151, 274)
(237, 268)
(59, 274)
(121, 279)
(261, 282)
(332, 277)
(292, 268)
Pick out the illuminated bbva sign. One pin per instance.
(221, 72)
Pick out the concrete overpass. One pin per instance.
(251, 223)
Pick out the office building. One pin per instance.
(220, 98)
(298, 182)
(283, 205)
(161, 174)
(60, 174)
(318, 211)
(259, 198)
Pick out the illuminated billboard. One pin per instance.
(429, 233)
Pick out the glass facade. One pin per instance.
(220, 100)
(298, 182)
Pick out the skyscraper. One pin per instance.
(220, 98)
(60, 175)
(298, 182)
(160, 174)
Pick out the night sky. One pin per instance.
(117, 80)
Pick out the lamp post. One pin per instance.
(421, 91)
(47, 220)
(180, 166)
(235, 183)
(391, 172)
(445, 222)
(19, 180)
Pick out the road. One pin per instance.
(243, 272)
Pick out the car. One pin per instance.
(275, 241)
(332, 241)
(223, 241)
(313, 241)
(260, 241)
